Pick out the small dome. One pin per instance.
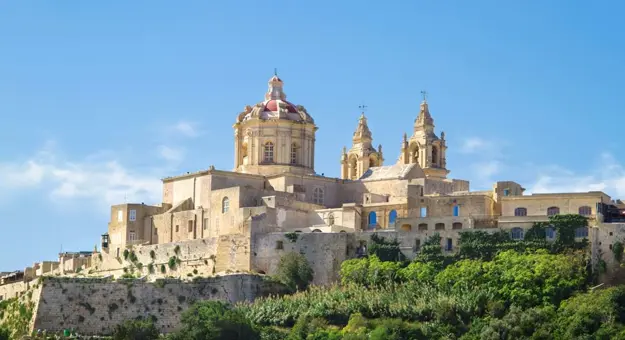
(274, 104)
(270, 108)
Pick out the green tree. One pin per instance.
(4, 333)
(136, 330)
(385, 250)
(215, 320)
(432, 252)
(294, 271)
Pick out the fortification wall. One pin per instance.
(96, 306)
(12, 290)
(203, 257)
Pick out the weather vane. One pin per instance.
(275, 72)
(362, 107)
(424, 94)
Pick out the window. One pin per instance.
(293, 153)
(581, 232)
(331, 219)
(406, 227)
(133, 215)
(373, 219)
(205, 223)
(423, 227)
(225, 205)
(450, 245)
(316, 231)
(553, 211)
(550, 232)
(120, 216)
(268, 152)
(506, 192)
(456, 225)
(456, 210)
(439, 226)
(392, 217)
(318, 196)
(177, 228)
(279, 245)
(424, 212)
(520, 212)
(517, 234)
(417, 244)
(132, 236)
(585, 211)
(190, 226)
(434, 155)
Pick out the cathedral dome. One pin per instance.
(275, 106)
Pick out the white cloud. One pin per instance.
(487, 169)
(607, 176)
(104, 181)
(171, 154)
(473, 144)
(187, 129)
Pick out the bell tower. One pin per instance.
(362, 155)
(424, 147)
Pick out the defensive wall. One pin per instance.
(95, 306)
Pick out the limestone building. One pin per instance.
(274, 189)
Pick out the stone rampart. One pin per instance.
(95, 306)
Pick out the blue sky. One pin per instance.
(99, 100)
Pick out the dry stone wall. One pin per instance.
(96, 306)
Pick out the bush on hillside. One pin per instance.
(136, 330)
(294, 271)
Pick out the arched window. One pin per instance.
(373, 161)
(331, 219)
(225, 205)
(581, 232)
(456, 225)
(439, 226)
(520, 212)
(553, 211)
(352, 168)
(585, 211)
(392, 216)
(434, 155)
(406, 227)
(423, 227)
(414, 154)
(517, 233)
(316, 231)
(550, 233)
(293, 153)
(373, 219)
(268, 157)
(318, 196)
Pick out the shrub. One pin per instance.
(294, 271)
(136, 330)
(172, 262)
(126, 253)
(215, 320)
(152, 254)
(177, 250)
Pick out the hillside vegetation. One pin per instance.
(493, 288)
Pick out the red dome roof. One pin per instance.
(272, 105)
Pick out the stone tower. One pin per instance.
(362, 155)
(424, 147)
(274, 136)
